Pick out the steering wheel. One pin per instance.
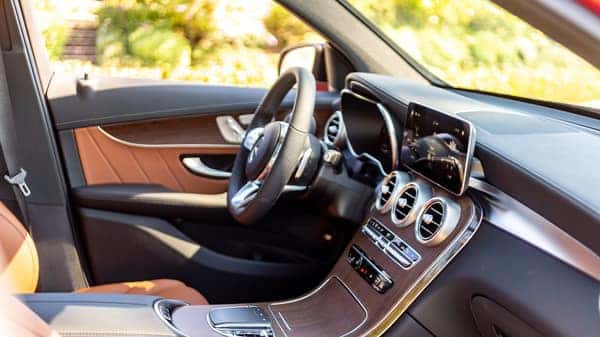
(271, 150)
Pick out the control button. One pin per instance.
(377, 278)
(382, 283)
(382, 243)
(395, 254)
(411, 254)
(407, 251)
(370, 234)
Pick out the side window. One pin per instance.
(232, 42)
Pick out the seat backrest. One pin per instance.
(19, 270)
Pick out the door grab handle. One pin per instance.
(195, 165)
(245, 120)
(230, 129)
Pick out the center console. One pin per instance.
(411, 232)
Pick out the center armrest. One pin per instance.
(98, 314)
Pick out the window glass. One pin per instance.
(476, 44)
(234, 42)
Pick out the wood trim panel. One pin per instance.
(105, 160)
(294, 320)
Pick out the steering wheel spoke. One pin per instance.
(246, 194)
(251, 137)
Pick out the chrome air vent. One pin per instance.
(436, 221)
(410, 198)
(389, 189)
(335, 131)
(405, 203)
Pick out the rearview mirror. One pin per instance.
(308, 56)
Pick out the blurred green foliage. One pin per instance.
(56, 36)
(477, 45)
(467, 43)
(180, 36)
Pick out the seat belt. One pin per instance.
(16, 175)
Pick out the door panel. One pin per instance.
(106, 160)
(124, 142)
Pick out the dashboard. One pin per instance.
(522, 222)
(433, 144)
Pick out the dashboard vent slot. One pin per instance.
(437, 220)
(431, 221)
(388, 191)
(405, 203)
(334, 129)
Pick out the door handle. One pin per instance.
(197, 166)
(230, 129)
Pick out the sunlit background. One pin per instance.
(467, 43)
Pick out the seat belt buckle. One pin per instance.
(19, 180)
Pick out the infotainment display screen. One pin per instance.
(439, 147)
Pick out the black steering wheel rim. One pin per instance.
(250, 198)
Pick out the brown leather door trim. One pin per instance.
(108, 160)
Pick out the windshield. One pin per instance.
(475, 44)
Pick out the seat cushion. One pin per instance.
(19, 269)
(166, 288)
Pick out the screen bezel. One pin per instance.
(389, 125)
(469, 153)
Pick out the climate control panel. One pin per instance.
(392, 245)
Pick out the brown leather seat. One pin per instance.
(21, 270)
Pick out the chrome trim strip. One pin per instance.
(166, 146)
(313, 292)
(513, 217)
(169, 324)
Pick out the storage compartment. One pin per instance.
(319, 314)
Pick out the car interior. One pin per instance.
(354, 197)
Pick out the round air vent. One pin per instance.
(335, 131)
(436, 221)
(410, 197)
(389, 189)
